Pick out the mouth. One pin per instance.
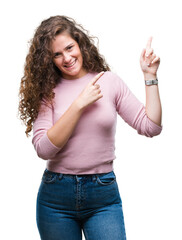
(71, 64)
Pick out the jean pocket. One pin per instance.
(106, 179)
(49, 177)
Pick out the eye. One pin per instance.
(69, 47)
(57, 54)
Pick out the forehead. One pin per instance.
(61, 41)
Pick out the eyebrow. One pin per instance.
(69, 45)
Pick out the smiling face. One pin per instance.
(67, 56)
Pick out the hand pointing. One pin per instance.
(91, 93)
(149, 61)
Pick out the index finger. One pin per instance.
(96, 78)
(149, 43)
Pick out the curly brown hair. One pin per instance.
(40, 73)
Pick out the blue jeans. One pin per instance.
(68, 204)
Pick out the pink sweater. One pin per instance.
(91, 147)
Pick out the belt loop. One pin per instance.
(77, 179)
(94, 177)
(60, 176)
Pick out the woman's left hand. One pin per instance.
(149, 62)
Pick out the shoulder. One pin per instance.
(112, 78)
(111, 75)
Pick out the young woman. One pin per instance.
(71, 99)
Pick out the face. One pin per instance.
(67, 56)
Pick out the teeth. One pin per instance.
(70, 64)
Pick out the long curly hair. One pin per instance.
(40, 73)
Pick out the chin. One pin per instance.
(72, 74)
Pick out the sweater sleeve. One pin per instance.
(44, 147)
(133, 111)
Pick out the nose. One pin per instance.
(67, 57)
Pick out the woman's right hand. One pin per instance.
(68, 121)
(91, 93)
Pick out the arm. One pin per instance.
(146, 120)
(48, 139)
(67, 123)
(149, 64)
(153, 104)
(133, 111)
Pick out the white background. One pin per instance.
(148, 170)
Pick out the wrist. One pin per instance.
(149, 76)
(78, 105)
(151, 82)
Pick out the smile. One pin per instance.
(70, 65)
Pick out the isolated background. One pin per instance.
(148, 170)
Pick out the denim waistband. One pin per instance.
(74, 175)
